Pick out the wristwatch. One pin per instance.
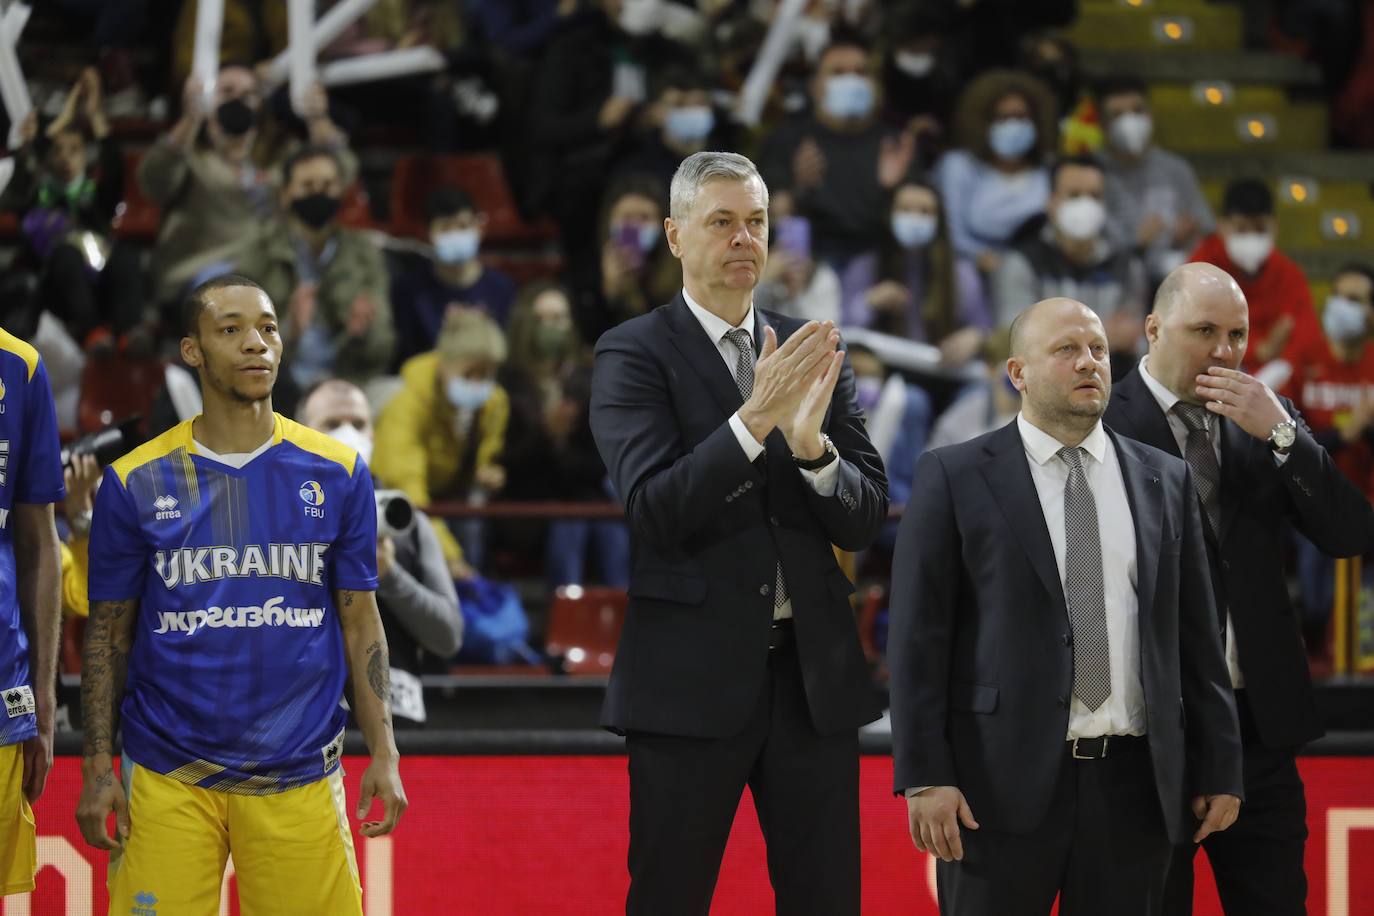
(815, 464)
(1282, 436)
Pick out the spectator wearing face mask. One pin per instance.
(421, 295)
(923, 71)
(550, 453)
(680, 122)
(1072, 257)
(415, 593)
(1153, 196)
(635, 271)
(91, 283)
(917, 287)
(1333, 385)
(336, 319)
(440, 438)
(794, 283)
(837, 165)
(216, 196)
(1281, 311)
(587, 94)
(997, 181)
(897, 415)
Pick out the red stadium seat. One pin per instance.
(481, 176)
(115, 387)
(356, 209)
(584, 627)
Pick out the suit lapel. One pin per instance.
(1144, 494)
(1149, 425)
(702, 355)
(1008, 475)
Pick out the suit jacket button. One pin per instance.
(748, 484)
(1067, 638)
(773, 520)
(729, 497)
(1226, 565)
(765, 589)
(1063, 702)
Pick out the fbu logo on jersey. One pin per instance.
(312, 494)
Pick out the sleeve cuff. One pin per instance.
(823, 481)
(751, 446)
(916, 790)
(1281, 458)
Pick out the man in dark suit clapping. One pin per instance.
(734, 439)
(1053, 650)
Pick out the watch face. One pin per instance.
(1284, 435)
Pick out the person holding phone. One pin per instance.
(635, 270)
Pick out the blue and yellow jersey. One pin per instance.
(237, 665)
(30, 472)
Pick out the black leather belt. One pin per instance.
(1105, 746)
(782, 634)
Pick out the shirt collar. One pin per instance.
(715, 326)
(1042, 447)
(1163, 396)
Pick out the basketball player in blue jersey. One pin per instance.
(232, 579)
(30, 610)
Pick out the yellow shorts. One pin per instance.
(18, 849)
(293, 851)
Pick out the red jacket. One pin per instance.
(1279, 289)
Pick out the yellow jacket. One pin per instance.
(419, 448)
(74, 567)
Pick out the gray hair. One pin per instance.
(699, 168)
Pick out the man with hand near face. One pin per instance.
(1053, 650)
(735, 442)
(1256, 469)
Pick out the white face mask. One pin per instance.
(1249, 250)
(915, 64)
(914, 230)
(1131, 132)
(641, 17)
(1080, 218)
(355, 439)
(1344, 320)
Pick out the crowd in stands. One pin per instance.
(923, 193)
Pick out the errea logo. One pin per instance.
(166, 507)
(19, 701)
(312, 494)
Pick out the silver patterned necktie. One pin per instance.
(1084, 591)
(744, 378)
(1202, 459)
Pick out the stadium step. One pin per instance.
(1171, 26)
(1229, 66)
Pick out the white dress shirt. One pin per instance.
(1166, 400)
(1123, 713)
(822, 481)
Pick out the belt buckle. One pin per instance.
(1077, 756)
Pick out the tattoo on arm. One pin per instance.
(379, 672)
(105, 667)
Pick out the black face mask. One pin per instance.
(236, 117)
(315, 210)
